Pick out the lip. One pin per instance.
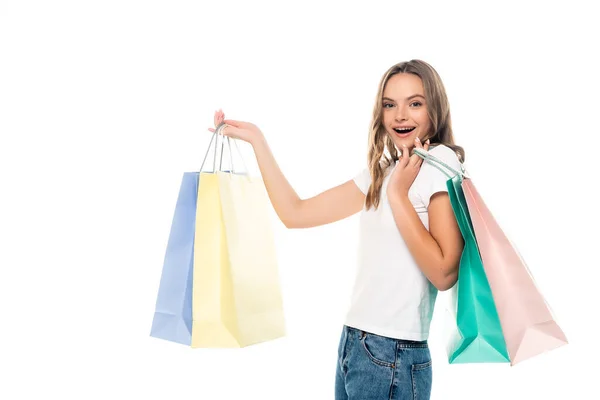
(404, 135)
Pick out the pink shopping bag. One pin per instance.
(527, 322)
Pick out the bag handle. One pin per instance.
(217, 133)
(436, 162)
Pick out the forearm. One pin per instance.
(423, 247)
(284, 199)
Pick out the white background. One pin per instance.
(104, 104)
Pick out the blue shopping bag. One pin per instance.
(173, 314)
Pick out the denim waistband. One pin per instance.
(403, 342)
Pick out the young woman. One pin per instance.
(409, 243)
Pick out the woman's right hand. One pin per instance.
(245, 131)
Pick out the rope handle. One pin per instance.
(217, 133)
(437, 163)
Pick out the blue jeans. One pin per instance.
(373, 367)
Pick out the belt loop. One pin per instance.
(363, 334)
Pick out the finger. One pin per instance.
(229, 130)
(414, 160)
(419, 145)
(419, 163)
(212, 130)
(405, 155)
(232, 122)
(427, 145)
(414, 157)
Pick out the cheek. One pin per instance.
(424, 123)
(386, 117)
(422, 117)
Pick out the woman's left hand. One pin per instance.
(406, 171)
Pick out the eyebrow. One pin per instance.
(408, 98)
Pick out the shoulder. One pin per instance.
(443, 152)
(363, 178)
(366, 171)
(433, 176)
(444, 161)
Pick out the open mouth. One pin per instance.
(404, 131)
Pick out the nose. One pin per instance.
(401, 113)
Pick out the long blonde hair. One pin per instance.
(382, 151)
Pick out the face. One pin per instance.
(404, 106)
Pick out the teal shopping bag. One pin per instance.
(477, 336)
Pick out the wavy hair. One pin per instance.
(382, 151)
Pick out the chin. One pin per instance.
(408, 141)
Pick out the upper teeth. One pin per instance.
(403, 129)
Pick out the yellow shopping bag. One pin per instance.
(237, 298)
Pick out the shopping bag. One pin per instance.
(528, 324)
(173, 311)
(237, 298)
(476, 335)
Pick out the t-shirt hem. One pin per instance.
(360, 186)
(394, 334)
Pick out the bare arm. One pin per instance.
(437, 251)
(329, 206)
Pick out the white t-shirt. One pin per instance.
(391, 296)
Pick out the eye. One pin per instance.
(387, 104)
(416, 102)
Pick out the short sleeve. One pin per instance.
(431, 179)
(363, 180)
